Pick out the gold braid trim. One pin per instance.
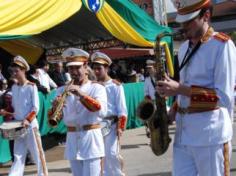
(194, 7)
(203, 99)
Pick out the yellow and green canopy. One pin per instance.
(122, 18)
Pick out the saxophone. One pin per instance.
(55, 115)
(155, 115)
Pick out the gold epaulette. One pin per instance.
(222, 37)
(116, 82)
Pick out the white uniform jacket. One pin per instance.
(149, 89)
(212, 66)
(116, 104)
(83, 145)
(25, 100)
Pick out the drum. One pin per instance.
(12, 130)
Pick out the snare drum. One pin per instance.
(12, 130)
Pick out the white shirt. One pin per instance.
(212, 66)
(45, 80)
(116, 104)
(149, 89)
(88, 144)
(25, 100)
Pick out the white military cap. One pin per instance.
(101, 58)
(150, 63)
(75, 56)
(19, 60)
(189, 9)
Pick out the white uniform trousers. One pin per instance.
(201, 161)
(31, 142)
(113, 161)
(90, 167)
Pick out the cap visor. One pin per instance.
(74, 64)
(100, 62)
(187, 17)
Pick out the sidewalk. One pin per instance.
(138, 157)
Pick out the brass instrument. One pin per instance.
(55, 115)
(155, 115)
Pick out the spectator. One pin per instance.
(141, 75)
(44, 78)
(132, 76)
(33, 76)
(58, 75)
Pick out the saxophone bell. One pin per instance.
(54, 120)
(146, 110)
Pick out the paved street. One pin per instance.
(139, 160)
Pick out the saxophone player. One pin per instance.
(207, 60)
(116, 113)
(84, 107)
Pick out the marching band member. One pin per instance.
(149, 87)
(25, 102)
(149, 82)
(204, 94)
(117, 114)
(84, 108)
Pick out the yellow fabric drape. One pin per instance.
(19, 47)
(28, 17)
(119, 28)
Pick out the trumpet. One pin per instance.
(55, 115)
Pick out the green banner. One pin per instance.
(144, 24)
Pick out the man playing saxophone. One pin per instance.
(204, 94)
(84, 107)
